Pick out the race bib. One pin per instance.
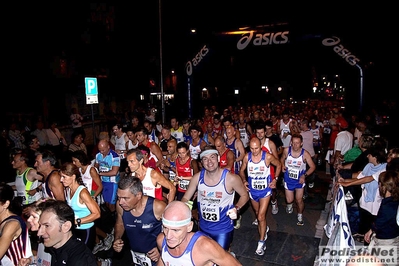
(183, 184)
(210, 213)
(141, 258)
(293, 173)
(258, 184)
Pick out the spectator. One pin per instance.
(370, 199)
(41, 133)
(77, 143)
(33, 145)
(57, 142)
(76, 120)
(16, 136)
(384, 230)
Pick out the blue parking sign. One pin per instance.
(91, 86)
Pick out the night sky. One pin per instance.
(37, 33)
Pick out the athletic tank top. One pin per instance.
(47, 193)
(88, 180)
(195, 150)
(80, 210)
(223, 160)
(213, 204)
(20, 247)
(148, 187)
(259, 176)
(185, 258)
(184, 170)
(142, 231)
(22, 184)
(295, 167)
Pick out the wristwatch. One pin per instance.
(78, 221)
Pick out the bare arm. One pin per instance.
(33, 175)
(159, 178)
(309, 161)
(96, 178)
(119, 229)
(274, 161)
(234, 182)
(160, 239)
(10, 230)
(273, 149)
(84, 197)
(194, 166)
(237, 134)
(211, 140)
(243, 168)
(240, 148)
(56, 186)
(156, 150)
(230, 160)
(192, 187)
(159, 207)
(249, 129)
(355, 181)
(207, 250)
(282, 159)
(114, 171)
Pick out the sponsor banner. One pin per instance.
(340, 50)
(191, 64)
(262, 39)
(387, 255)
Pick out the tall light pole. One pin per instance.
(160, 62)
(361, 87)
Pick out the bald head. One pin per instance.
(103, 147)
(177, 211)
(103, 144)
(254, 141)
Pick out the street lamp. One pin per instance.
(160, 61)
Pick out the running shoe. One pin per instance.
(300, 221)
(289, 209)
(105, 262)
(260, 250)
(267, 231)
(311, 185)
(274, 207)
(108, 241)
(255, 222)
(238, 222)
(98, 247)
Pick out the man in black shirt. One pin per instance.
(57, 222)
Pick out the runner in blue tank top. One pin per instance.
(216, 188)
(140, 216)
